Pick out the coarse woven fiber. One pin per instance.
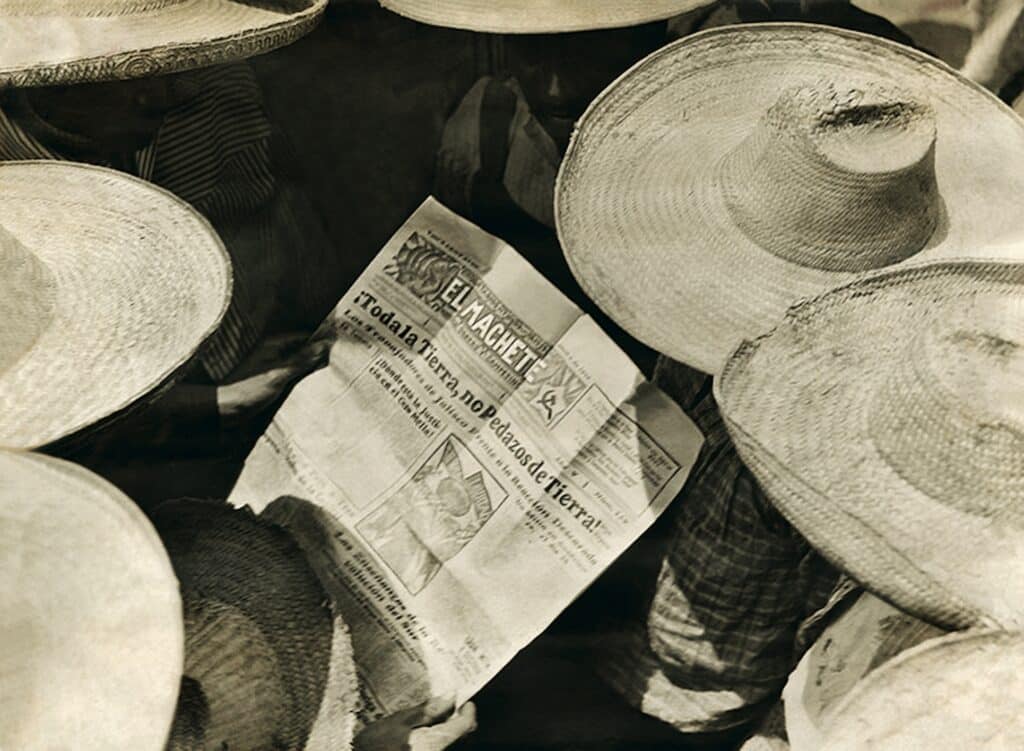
(885, 420)
(48, 42)
(540, 16)
(870, 633)
(108, 286)
(91, 636)
(962, 691)
(738, 170)
(271, 663)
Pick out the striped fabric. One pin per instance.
(215, 153)
(719, 636)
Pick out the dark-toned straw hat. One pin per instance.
(267, 664)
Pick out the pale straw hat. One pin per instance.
(736, 171)
(47, 42)
(267, 664)
(107, 287)
(868, 634)
(90, 618)
(540, 16)
(959, 692)
(885, 420)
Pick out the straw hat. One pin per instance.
(107, 287)
(540, 16)
(267, 665)
(738, 170)
(963, 691)
(870, 633)
(90, 618)
(47, 42)
(885, 420)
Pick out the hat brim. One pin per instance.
(39, 49)
(798, 402)
(91, 634)
(642, 219)
(868, 634)
(141, 280)
(955, 692)
(539, 16)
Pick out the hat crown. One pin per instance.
(838, 180)
(950, 418)
(28, 294)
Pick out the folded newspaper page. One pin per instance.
(474, 455)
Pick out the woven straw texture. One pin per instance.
(866, 636)
(964, 691)
(736, 171)
(885, 420)
(47, 42)
(540, 16)
(271, 666)
(91, 633)
(108, 286)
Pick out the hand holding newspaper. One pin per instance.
(474, 455)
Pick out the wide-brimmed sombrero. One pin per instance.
(267, 664)
(885, 420)
(108, 285)
(90, 618)
(868, 634)
(962, 691)
(47, 42)
(540, 16)
(736, 171)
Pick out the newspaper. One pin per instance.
(476, 452)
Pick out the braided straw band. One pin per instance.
(108, 286)
(91, 633)
(883, 419)
(83, 8)
(836, 181)
(236, 690)
(48, 42)
(959, 692)
(738, 170)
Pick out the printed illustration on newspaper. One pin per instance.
(476, 452)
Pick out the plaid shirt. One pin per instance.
(214, 151)
(718, 638)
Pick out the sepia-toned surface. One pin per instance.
(467, 448)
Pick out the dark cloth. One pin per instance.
(495, 159)
(840, 13)
(218, 152)
(719, 637)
